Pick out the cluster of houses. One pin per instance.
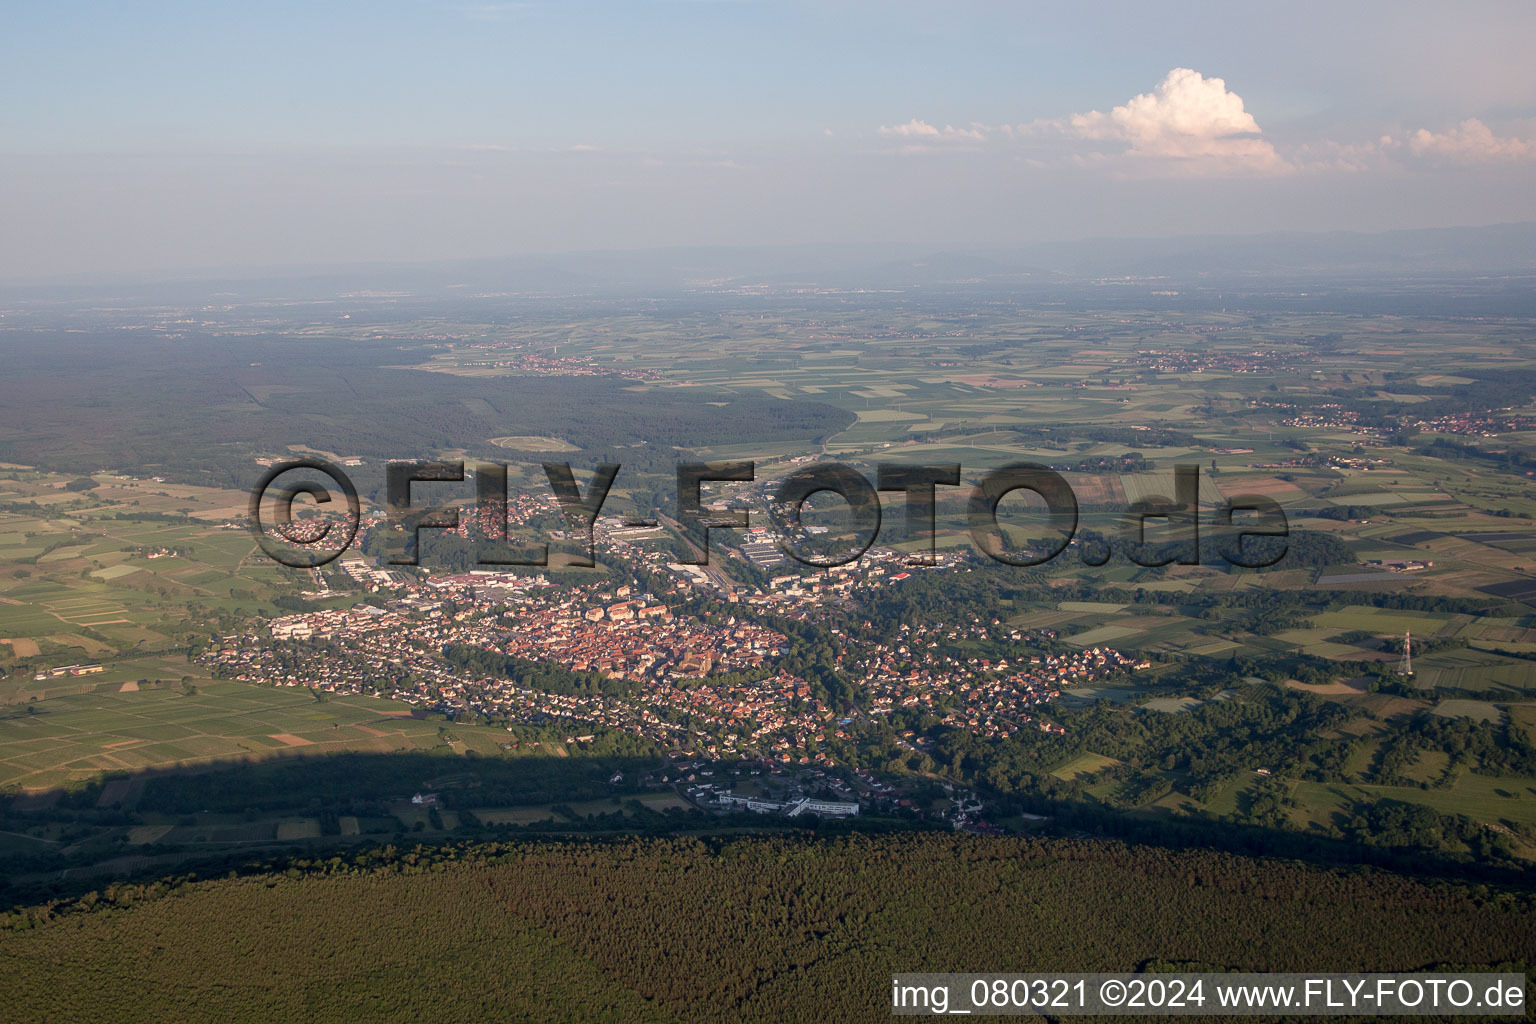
(67, 670)
(637, 638)
(789, 808)
(1402, 564)
(523, 358)
(691, 676)
(1329, 416)
(1196, 360)
(776, 794)
(983, 696)
(1477, 424)
(712, 683)
(825, 791)
(370, 576)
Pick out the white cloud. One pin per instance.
(1188, 124)
(913, 129)
(1470, 142)
(1326, 155)
(923, 132)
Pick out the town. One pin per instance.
(631, 660)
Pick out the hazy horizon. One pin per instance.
(176, 139)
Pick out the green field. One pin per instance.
(1382, 621)
(1081, 765)
(1493, 801)
(69, 739)
(1113, 400)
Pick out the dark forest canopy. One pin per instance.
(80, 404)
(713, 929)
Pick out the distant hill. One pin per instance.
(1501, 249)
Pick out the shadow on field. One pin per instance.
(221, 816)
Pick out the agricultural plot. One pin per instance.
(1490, 800)
(98, 596)
(1475, 671)
(1431, 764)
(1384, 622)
(514, 815)
(1230, 486)
(1091, 694)
(70, 738)
(534, 443)
(1224, 802)
(1172, 705)
(1077, 390)
(1476, 710)
(663, 801)
(1102, 635)
(1083, 765)
(1321, 643)
(1159, 488)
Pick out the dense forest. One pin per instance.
(724, 929)
(83, 403)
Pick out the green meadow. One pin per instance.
(74, 737)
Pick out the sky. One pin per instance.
(160, 137)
